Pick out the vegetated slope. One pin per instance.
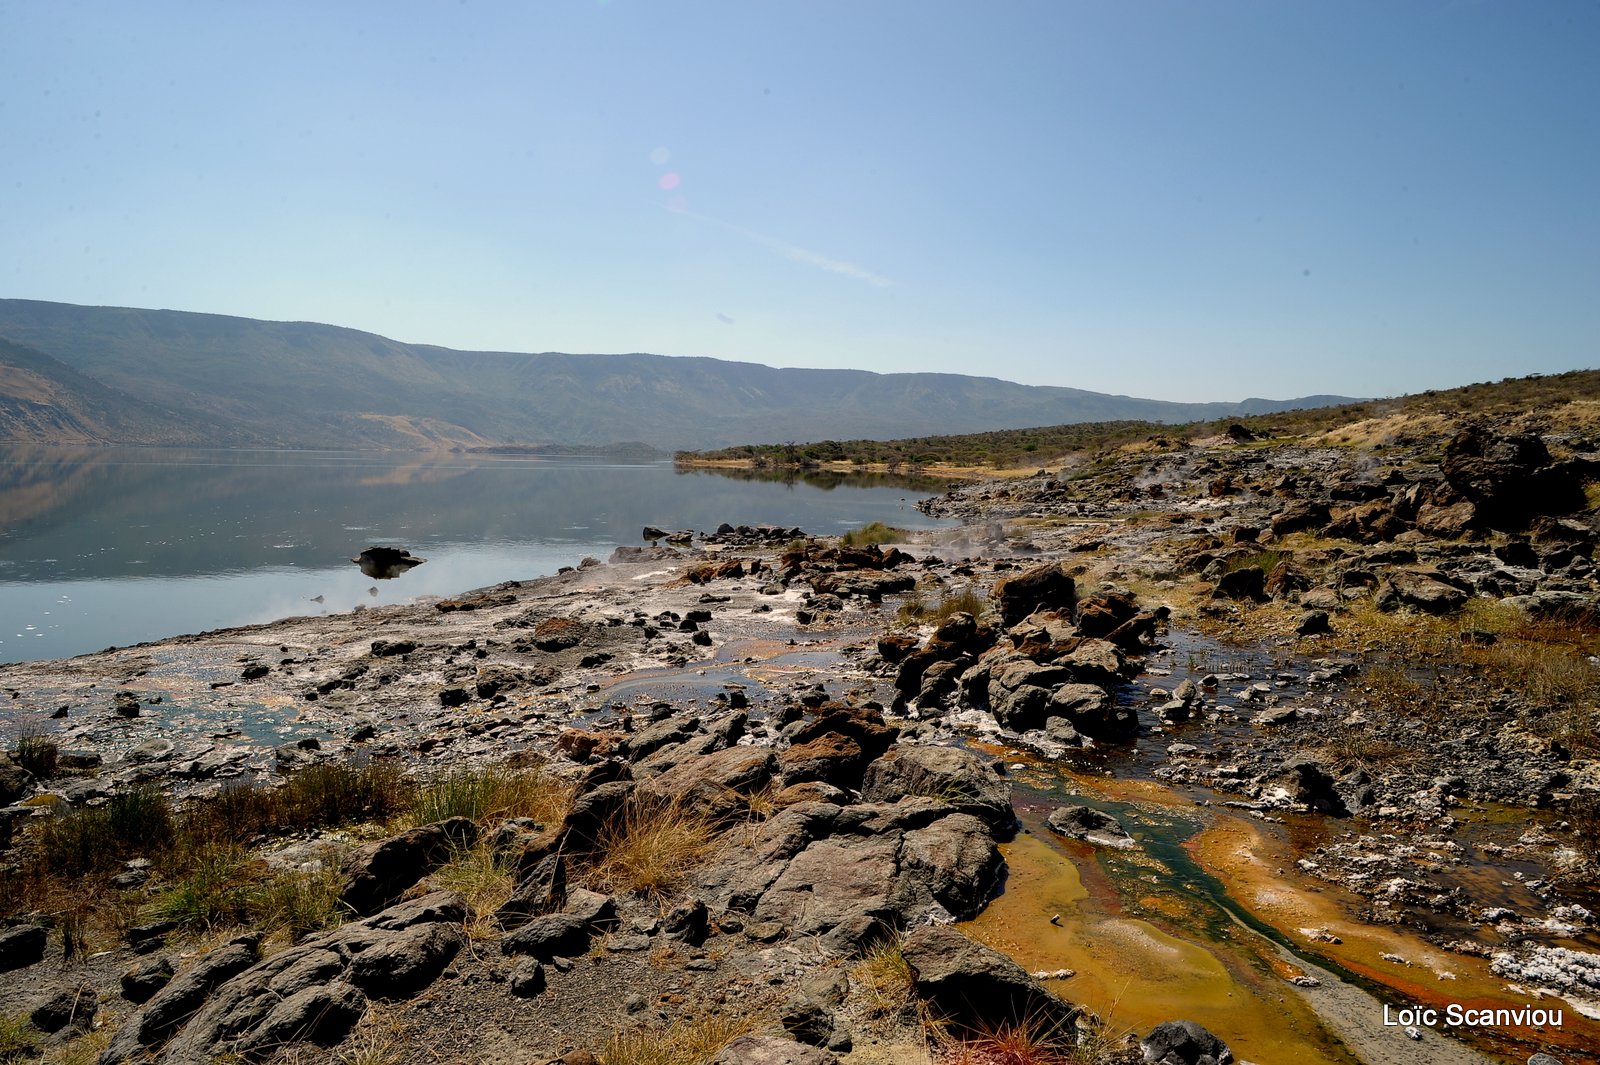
(1568, 401)
(305, 384)
(42, 400)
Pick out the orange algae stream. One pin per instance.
(1134, 974)
(1256, 866)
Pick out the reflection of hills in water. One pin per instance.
(828, 480)
(77, 513)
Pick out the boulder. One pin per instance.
(974, 987)
(1427, 592)
(869, 584)
(145, 979)
(15, 782)
(745, 770)
(1299, 517)
(1310, 784)
(1450, 521)
(1510, 478)
(383, 562)
(838, 888)
(1090, 825)
(178, 1001)
(1101, 615)
(719, 570)
(954, 776)
(399, 963)
(1246, 582)
(957, 859)
(1085, 706)
(556, 934)
(831, 758)
(379, 873)
(1044, 587)
(65, 1007)
(1183, 1043)
(21, 945)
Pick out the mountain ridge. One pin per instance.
(250, 382)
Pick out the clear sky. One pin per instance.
(1177, 200)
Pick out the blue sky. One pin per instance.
(1187, 201)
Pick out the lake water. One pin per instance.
(113, 546)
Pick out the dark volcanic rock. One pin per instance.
(1046, 587)
(379, 873)
(1183, 1043)
(954, 776)
(145, 979)
(1246, 582)
(975, 987)
(1510, 478)
(65, 1007)
(21, 946)
(1093, 826)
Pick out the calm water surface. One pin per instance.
(112, 546)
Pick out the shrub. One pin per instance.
(319, 796)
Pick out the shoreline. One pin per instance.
(560, 668)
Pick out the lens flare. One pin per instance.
(669, 181)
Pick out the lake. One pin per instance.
(112, 546)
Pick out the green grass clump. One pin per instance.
(18, 1038)
(491, 793)
(101, 838)
(915, 607)
(875, 533)
(296, 901)
(211, 895)
(1266, 560)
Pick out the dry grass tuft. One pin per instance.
(884, 978)
(484, 881)
(1030, 1041)
(650, 848)
(685, 1043)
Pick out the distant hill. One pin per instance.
(43, 400)
(240, 381)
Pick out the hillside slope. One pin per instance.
(304, 384)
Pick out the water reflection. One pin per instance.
(827, 480)
(102, 546)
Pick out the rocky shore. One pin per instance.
(767, 781)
